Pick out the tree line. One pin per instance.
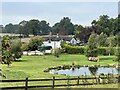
(104, 24)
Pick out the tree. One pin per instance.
(9, 28)
(78, 29)
(44, 27)
(16, 48)
(33, 26)
(7, 56)
(23, 28)
(92, 46)
(64, 27)
(107, 25)
(118, 48)
(102, 40)
(34, 43)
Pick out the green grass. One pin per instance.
(33, 66)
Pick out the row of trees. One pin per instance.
(105, 24)
(92, 47)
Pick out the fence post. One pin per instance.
(68, 81)
(78, 81)
(53, 82)
(26, 84)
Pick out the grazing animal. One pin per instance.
(95, 59)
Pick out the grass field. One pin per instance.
(33, 66)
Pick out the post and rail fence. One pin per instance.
(77, 81)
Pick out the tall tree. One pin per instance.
(23, 28)
(64, 27)
(7, 56)
(33, 26)
(92, 50)
(44, 27)
(9, 28)
(102, 38)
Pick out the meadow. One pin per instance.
(33, 66)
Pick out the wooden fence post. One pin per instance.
(78, 80)
(53, 82)
(26, 84)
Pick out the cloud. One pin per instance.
(82, 13)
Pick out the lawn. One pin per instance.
(33, 66)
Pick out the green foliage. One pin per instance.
(64, 27)
(57, 52)
(24, 47)
(117, 53)
(63, 42)
(92, 50)
(23, 28)
(106, 50)
(102, 40)
(118, 48)
(16, 48)
(82, 49)
(74, 49)
(78, 29)
(7, 56)
(34, 43)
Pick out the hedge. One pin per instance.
(74, 49)
(81, 50)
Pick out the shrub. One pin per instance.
(24, 47)
(106, 50)
(74, 49)
(82, 49)
(57, 52)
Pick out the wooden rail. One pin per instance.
(79, 81)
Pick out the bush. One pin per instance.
(74, 49)
(24, 47)
(57, 52)
(82, 49)
(34, 43)
(16, 48)
(106, 50)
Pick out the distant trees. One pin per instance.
(103, 26)
(64, 27)
(10, 28)
(23, 28)
(44, 28)
(34, 27)
(106, 24)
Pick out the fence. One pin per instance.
(77, 81)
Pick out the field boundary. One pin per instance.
(79, 81)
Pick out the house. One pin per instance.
(55, 40)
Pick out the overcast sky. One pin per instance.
(79, 12)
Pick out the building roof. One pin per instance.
(51, 38)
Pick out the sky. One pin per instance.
(79, 12)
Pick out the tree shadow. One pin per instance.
(20, 60)
(107, 58)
